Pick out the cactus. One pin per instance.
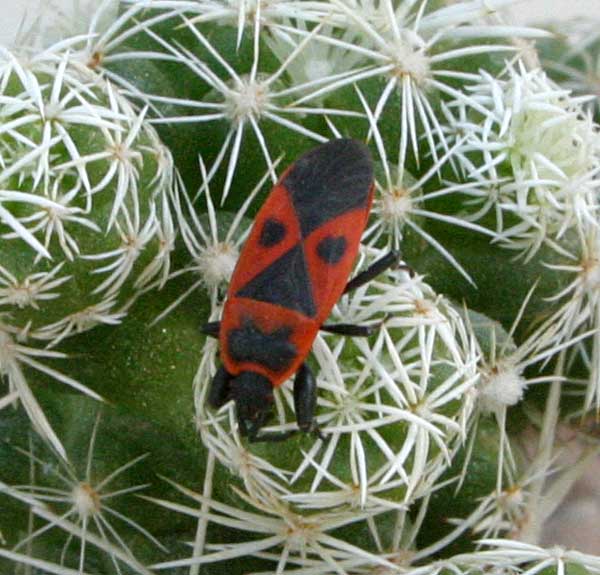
(134, 152)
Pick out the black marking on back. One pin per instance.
(273, 350)
(273, 231)
(285, 282)
(328, 181)
(331, 249)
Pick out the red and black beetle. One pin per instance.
(293, 268)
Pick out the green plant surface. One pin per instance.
(134, 158)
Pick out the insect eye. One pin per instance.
(273, 231)
(331, 249)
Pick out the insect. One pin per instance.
(292, 269)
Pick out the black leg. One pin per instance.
(211, 329)
(351, 329)
(390, 260)
(305, 398)
(305, 401)
(218, 394)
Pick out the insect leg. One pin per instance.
(211, 329)
(218, 394)
(351, 329)
(305, 401)
(305, 397)
(392, 259)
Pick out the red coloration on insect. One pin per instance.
(327, 281)
(292, 270)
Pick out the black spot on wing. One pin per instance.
(273, 350)
(328, 181)
(285, 282)
(332, 249)
(273, 231)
